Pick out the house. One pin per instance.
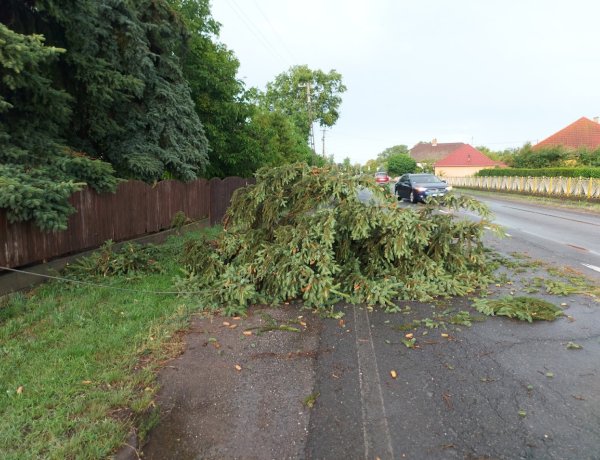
(464, 161)
(581, 134)
(429, 152)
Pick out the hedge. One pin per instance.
(541, 172)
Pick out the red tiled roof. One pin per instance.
(467, 156)
(583, 133)
(425, 151)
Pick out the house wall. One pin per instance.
(457, 171)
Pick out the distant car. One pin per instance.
(418, 187)
(382, 178)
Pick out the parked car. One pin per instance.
(418, 187)
(382, 178)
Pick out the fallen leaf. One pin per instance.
(226, 323)
(237, 318)
(409, 335)
(578, 397)
(86, 382)
(394, 374)
(238, 367)
(447, 397)
(233, 326)
(311, 400)
(20, 390)
(522, 413)
(302, 323)
(549, 375)
(573, 346)
(247, 332)
(444, 335)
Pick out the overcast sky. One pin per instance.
(497, 73)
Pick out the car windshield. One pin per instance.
(425, 178)
(381, 174)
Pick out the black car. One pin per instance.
(418, 187)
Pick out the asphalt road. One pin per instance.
(499, 389)
(482, 392)
(563, 236)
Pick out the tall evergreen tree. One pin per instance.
(108, 86)
(132, 105)
(38, 172)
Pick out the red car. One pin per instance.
(382, 178)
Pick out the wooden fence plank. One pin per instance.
(134, 210)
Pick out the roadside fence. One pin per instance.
(134, 210)
(576, 187)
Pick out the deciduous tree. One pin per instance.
(290, 92)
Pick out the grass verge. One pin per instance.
(592, 206)
(77, 362)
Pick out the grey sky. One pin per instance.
(494, 73)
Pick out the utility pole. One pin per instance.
(323, 138)
(311, 132)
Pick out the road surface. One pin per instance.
(499, 389)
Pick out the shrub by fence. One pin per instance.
(584, 172)
(577, 187)
(136, 209)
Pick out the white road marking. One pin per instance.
(592, 267)
(509, 235)
(376, 431)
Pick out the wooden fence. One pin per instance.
(577, 187)
(136, 209)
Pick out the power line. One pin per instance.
(281, 41)
(88, 283)
(257, 32)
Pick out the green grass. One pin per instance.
(77, 362)
(580, 204)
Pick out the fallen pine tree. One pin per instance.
(303, 232)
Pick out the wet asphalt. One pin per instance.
(499, 389)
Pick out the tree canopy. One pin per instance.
(395, 150)
(94, 91)
(400, 163)
(305, 95)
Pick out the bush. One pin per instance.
(541, 172)
(303, 233)
(401, 164)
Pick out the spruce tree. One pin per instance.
(89, 91)
(304, 232)
(38, 172)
